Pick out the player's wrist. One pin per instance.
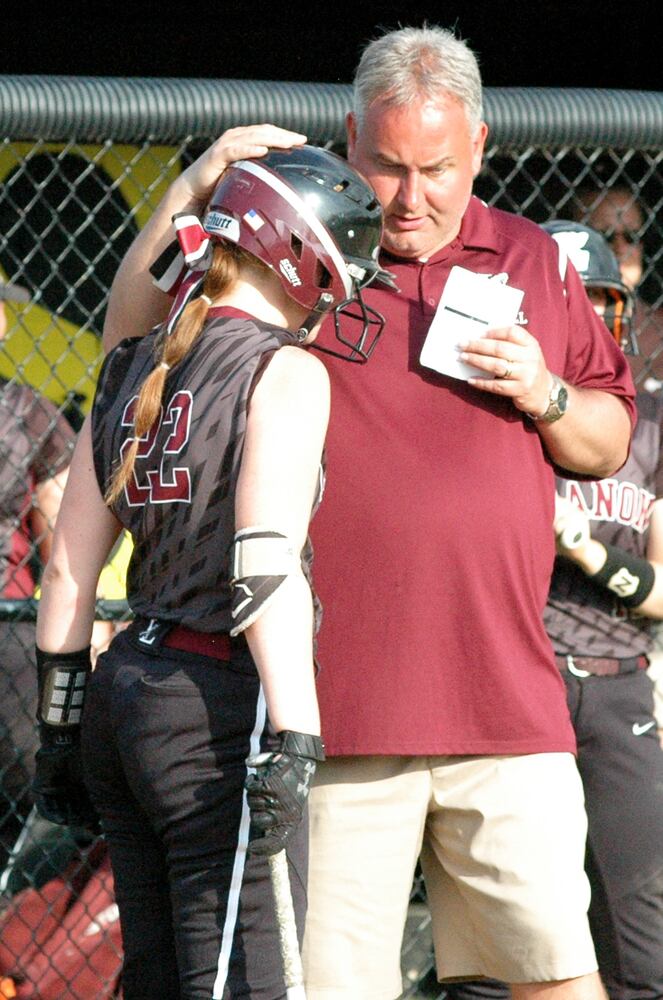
(278, 788)
(590, 556)
(61, 683)
(302, 745)
(630, 577)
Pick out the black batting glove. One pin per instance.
(59, 790)
(278, 790)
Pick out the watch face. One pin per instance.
(557, 403)
(562, 399)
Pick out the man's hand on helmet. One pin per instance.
(244, 142)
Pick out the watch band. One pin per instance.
(557, 403)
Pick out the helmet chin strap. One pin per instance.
(306, 327)
(323, 305)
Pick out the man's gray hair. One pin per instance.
(411, 63)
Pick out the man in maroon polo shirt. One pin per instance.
(443, 712)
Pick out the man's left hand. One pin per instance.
(514, 366)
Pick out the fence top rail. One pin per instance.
(168, 110)
(25, 610)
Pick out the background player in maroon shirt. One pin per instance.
(607, 587)
(605, 592)
(205, 442)
(441, 703)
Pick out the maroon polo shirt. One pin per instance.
(434, 543)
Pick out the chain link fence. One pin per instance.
(83, 162)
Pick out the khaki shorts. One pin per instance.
(502, 843)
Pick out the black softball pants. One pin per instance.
(621, 763)
(166, 735)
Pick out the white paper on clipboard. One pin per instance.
(471, 304)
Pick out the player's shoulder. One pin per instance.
(296, 363)
(296, 376)
(120, 357)
(129, 345)
(122, 352)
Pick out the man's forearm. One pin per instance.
(593, 436)
(135, 304)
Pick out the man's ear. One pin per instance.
(351, 130)
(477, 147)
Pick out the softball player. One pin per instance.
(205, 442)
(605, 592)
(606, 588)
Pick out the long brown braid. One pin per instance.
(170, 349)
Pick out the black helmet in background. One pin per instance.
(590, 253)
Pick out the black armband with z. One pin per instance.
(629, 577)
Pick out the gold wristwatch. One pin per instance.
(558, 401)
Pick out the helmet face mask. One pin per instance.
(317, 224)
(617, 318)
(356, 315)
(595, 262)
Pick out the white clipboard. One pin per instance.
(471, 304)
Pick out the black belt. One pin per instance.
(601, 666)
